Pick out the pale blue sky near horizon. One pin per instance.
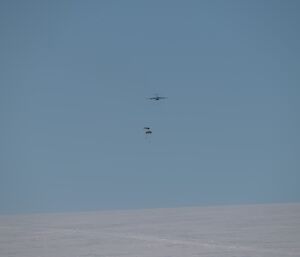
(74, 77)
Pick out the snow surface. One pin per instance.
(235, 231)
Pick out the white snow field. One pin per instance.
(236, 231)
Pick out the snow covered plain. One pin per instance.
(235, 231)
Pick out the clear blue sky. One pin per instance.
(74, 76)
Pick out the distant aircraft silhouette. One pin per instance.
(157, 97)
(147, 130)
